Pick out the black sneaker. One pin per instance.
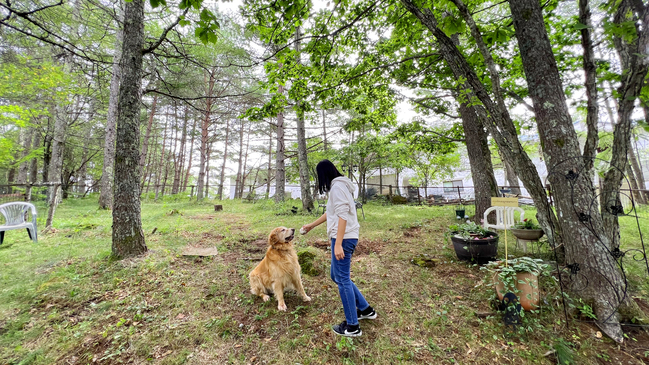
(368, 313)
(346, 330)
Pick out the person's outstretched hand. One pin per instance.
(306, 228)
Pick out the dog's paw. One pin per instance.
(281, 307)
(265, 298)
(306, 298)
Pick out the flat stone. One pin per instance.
(200, 251)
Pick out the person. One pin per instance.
(343, 230)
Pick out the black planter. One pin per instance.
(460, 213)
(478, 251)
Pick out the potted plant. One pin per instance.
(527, 230)
(473, 243)
(460, 212)
(519, 276)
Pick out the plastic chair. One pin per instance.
(505, 218)
(14, 214)
(359, 205)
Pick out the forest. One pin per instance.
(125, 102)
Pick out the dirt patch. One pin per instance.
(364, 247)
(412, 232)
(257, 246)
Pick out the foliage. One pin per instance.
(469, 230)
(527, 223)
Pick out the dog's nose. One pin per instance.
(292, 230)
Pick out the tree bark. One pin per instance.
(33, 172)
(633, 184)
(147, 136)
(107, 176)
(174, 186)
(511, 177)
(158, 173)
(482, 172)
(204, 137)
(270, 161)
(303, 159)
(587, 245)
(638, 172)
(280, 166)
(128, 237)
(56, 163)
(244, 175)
(237, 185)
(590, 69)
(178, 177)
(225, 158)
(191, 156)
(207, 171)
(26, 136)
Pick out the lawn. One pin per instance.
(64, 301)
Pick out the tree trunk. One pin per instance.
(511, 177)
(237, 185)
(107, 176)
(638, 172)
(181, 158)
(128, 238)
(590, 70)
(280, 166)
(633, 184)
(81, 173)
(149, 167)
(207, 170)
(191, 156)
(244, 176)
(147, 136)
(174, 186)
(26, 136)
(482, 172)
(225, 158)
(587, 245)
(303, 159)
(204, 138)
(33, 172)
(270, 161)
(158, 173)
(56, 163)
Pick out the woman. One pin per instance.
(342, 229)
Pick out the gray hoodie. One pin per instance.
(341, 205)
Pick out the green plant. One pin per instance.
(507, 273)
(527, 224)
(468, 230)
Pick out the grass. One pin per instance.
(64, 301)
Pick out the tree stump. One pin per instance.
(218, 207)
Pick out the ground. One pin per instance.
(65, 301)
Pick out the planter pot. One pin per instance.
(527, 285)
(528, 234)
(479, 251)
(460, 213)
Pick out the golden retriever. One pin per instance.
(279, 270)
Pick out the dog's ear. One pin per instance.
(272, 238)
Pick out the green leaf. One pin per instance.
(580, 26)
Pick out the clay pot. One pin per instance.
(528, 234)
(527, 285)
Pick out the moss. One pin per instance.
(559, 142)
(424, 260)
(397, 199)
(307, 259)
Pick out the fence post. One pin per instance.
(191, 195)
(390, 191)
(28, 192)
(459, 195)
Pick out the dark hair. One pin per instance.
(326, 172)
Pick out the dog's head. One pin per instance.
(281, 236)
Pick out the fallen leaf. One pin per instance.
(253, 359)
(237, 346)
(458, 297)
(598, 334)
(180, 316)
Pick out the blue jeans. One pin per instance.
(349, 293)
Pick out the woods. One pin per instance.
(134, 100)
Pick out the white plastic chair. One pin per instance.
(14, 214)
(505, 218)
